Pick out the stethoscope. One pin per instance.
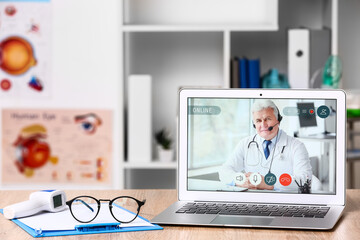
(253, 142)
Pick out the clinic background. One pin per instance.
(88, 55)
(215, 136)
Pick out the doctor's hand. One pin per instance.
(261, 186)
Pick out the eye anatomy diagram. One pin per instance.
(32, 149)
(61, 146)
(25, 49)
(17, 55)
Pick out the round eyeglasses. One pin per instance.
(124, 209)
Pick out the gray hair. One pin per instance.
(259, 105)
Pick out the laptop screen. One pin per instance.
(261, 145)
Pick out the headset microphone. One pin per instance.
(272, 127)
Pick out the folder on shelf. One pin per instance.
(235, 83)
(249, 73)
(243, 68)
(62, 224)
(254, 73)
(298, 58)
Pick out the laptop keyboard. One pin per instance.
(254, 210)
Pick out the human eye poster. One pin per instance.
(47, 146)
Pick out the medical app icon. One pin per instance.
(32, 150)
(270, 179)
(88, 122)
(285, 179)
(240, 178)
(255, 179)
(17, 55)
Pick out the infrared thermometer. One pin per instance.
(46, 200)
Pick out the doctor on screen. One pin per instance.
(270, 159)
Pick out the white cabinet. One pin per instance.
(187, 43)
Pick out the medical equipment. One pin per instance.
(46, 200)
(259, 155)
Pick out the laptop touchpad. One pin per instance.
(246, 221)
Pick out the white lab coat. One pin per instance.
(294, 160)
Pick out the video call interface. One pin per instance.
(262, 145)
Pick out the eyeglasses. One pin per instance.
(86, 208)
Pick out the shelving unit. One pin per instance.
(184, 44)
(151, 165)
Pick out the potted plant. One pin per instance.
(164, 145)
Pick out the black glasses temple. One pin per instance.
(83, 202)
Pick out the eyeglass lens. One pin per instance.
(125, 209)
(84, 209)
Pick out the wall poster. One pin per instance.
(41, 146)
(25, 48)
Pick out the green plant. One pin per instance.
(163, 138)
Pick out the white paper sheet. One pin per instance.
(65, 221)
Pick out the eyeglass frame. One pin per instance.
(98, 201)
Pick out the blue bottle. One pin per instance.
(274, 80)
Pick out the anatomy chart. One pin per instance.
(41, 146)
(25, 49)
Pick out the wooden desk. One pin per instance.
(157, 200)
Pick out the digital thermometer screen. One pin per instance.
(57, 201)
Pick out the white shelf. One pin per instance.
(151, 165)
(187, 43)
(174, 60)
(200, 28)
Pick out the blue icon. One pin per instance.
(323, 111)
(270, 179)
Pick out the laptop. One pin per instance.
(244, 159)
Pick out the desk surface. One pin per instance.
(157, 200)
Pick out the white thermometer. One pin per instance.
(46, 200)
